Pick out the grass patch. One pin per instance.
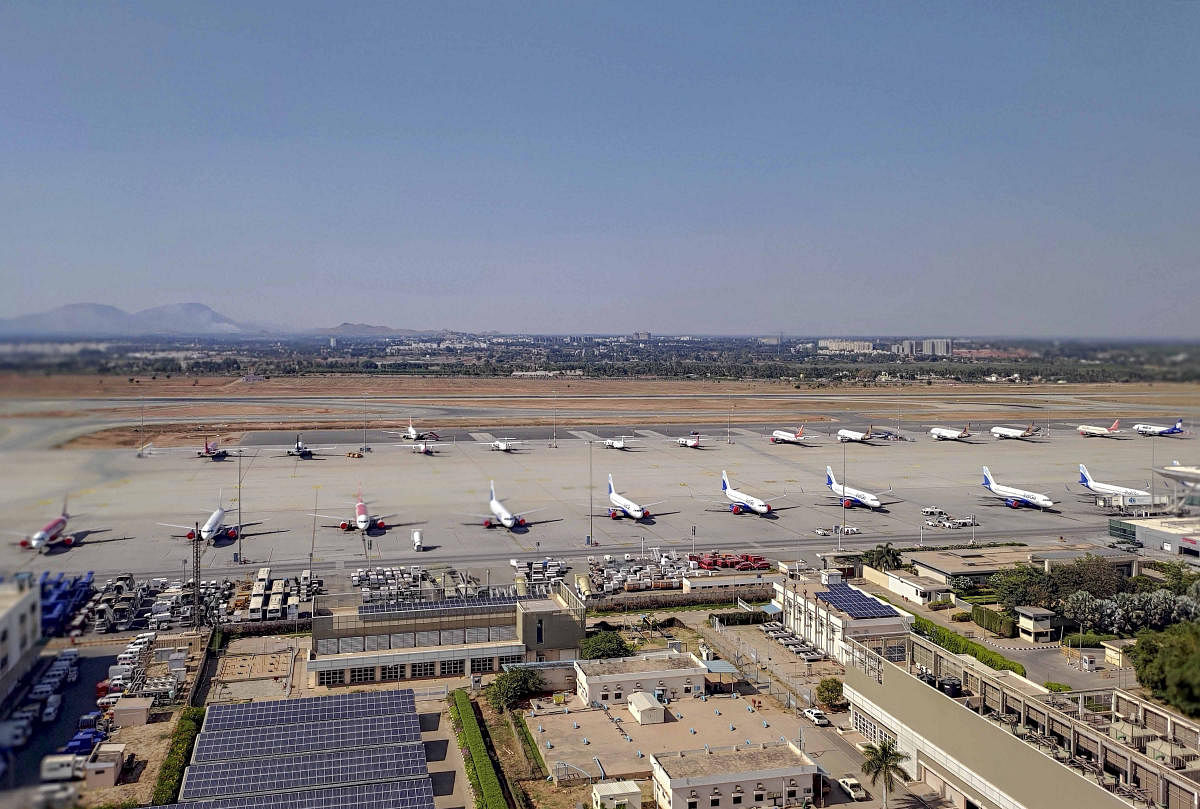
(481, 772)
(170, 777)
(1058, 687)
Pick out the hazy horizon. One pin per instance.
(941, 169)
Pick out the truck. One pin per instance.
(62, 767)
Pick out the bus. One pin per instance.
(275, 607)
(264, 575)
(277, 587)
(255, 612)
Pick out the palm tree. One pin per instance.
(883, 557)
(883, 760)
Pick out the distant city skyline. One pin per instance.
(940, 169)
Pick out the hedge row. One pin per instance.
(480, 769)
(531, 749)
(1090, 640)
(739, 617)
(994, 621)
(1050, 685)
(953, 642)
(170, 776)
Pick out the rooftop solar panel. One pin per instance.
(855, 603)
(303, 771)
(309, 709)
(308, 737)
(416, 793)
(410, 605)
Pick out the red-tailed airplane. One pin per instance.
(52, 533)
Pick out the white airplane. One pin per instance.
(620, 442)
(500, 515)
(52, 534)
(501, 444)
(623, 506)
(784, 437)
(947, 434)
(1013, 432)
(740, 501)
(1088, 482)
(212, 528)
(413, 434)
(363, 519)
(1154, 429)
(302, 450)
(422, 447)
(691, 440)
(844, 435)
(848, 495)
(1088, 431)
(1014, 497)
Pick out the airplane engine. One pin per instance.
(231, 533)
(1011, 503)
(768, 507)
(612, 513)
(736, 509)
(345, 526)
(380, 524)
(645, 514)
(191, 534)
(487, 523)
(772, 439)
(68, 541)
(521, 521)
(25, 543)
(847, 503)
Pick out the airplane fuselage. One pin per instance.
(51, 532)
(784, 437)
(845, 436)
(1086, 480)
(1012, 432)
(947, 434)
(1014, 497)
(614, 443)
(1154, 429)
(623, 505)
(502, 515)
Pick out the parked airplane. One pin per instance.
(302, 450)
(623, 506)
(1088, 482)
(422, 447)
(1013, 497)
(500, 515)
(691, 440)
(212, 528)
(501, 444)
(947, 434)
(740, 501)
(844, 435)
(620, 442)
(413, 434)
(212, 450)
(52, 534)
(850, 496)
(1013, 432)
(1088, 431)
(363, 519)
(784, 437)
(1154, 429)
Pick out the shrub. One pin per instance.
(993, 621)
(953, 642)
(829, 692)
(960, 617)
(1053, 686)
(480, 770)
(604, 644)
(940, 605)
(739, 617)
(531, 749)
(512, 686)
(170, 776)
(1090, 640)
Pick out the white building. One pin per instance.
(616, 795)
(646, 709)
(776, 775)
(20, 631)
(827, 611)
(668, 675)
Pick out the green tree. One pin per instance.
(1022, 585)
(1177, 576)
(604, 644)
(513, 686)
(829, 691)
(1091, 574)
(883, 557)
(1168, 663)
(882, 762)
(962, 585)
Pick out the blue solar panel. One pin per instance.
(855, 603)
(416, 793)
(303, 771)
(310, 709)
(308, 737)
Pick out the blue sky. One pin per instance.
(891, 168)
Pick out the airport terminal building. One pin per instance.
(355, 643)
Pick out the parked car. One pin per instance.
(852, 787)
(816, 716)
(821, 532)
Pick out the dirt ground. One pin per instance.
(149, 744)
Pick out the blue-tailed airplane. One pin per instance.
(1154, 429)
(1014, 497)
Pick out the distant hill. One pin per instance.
(366, 330)
(100, 320)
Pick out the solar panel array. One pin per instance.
(310, 709)
(855, 603)
(303, 771)
(411, 794)
(410, 605)
(307, 737)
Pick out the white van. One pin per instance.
(128, 658)
(933, 511)
(62, 767)
(104, 703)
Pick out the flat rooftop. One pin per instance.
(981, 560)
(1168, 525)
(699, 763)
(637, 665)
(920, 581)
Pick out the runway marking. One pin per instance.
(744, 431)
(651, 434)
(585, 435)
(482, 437)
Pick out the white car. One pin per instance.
(852, 787)
(821, 532)
(816, 716)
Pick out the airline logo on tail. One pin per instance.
(987, 478)
(1084, 478)
(492, 488)
(724, 481)
(610, 484)
(829, 479)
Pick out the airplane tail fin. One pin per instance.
(65, 514)
(1084, 477)
(830, 480)
(1114, 427)
(724, 481)
(967, 430)
(870, 431)
(987, 477)
(1179, 423)
(800, 431)
(610, 483)
(492, 488)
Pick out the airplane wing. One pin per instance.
(771, 497)
(655, 503)
(330, 517)
(173, 525)
(531, 511)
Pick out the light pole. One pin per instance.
(239, 531)
(554, 424)
(591, 509)
(693, 540)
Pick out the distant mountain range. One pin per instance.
(178, 319)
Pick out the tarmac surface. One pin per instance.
(119, 499)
